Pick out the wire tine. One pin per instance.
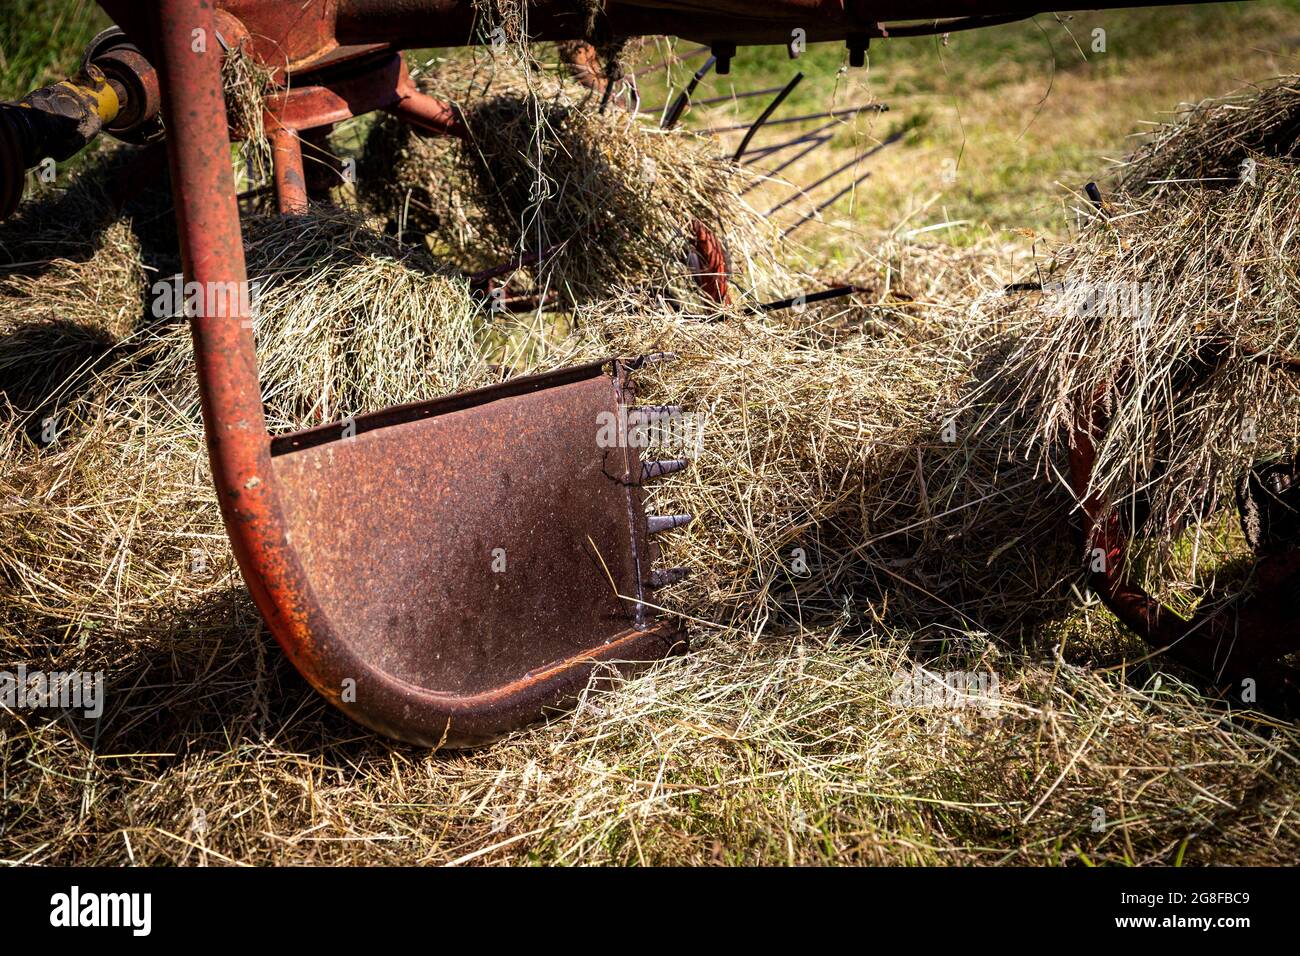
(650, 470)
(762, 151)
(889, 141)
(828, 114)
(684, 98)
(817, 142)
(748, 94)
(838, 171)
(766, 115)
(838, 292)
(850, 186)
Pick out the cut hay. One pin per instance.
(614, 195)
(792, 733)
(73, 281)
(1178, 314)
(797, 745)
(72, 310)
(1212, 143)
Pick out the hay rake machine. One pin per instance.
(448, 570)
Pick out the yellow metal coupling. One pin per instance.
(53, 122)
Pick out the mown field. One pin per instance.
(789, 734)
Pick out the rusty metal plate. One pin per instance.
(467, 543)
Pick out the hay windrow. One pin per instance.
(793, 440)
(826, 482)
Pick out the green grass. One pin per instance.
(42, 40)
(1021, 112)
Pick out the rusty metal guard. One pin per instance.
(470, 547)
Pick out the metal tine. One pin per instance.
(761, 152)
(766, 115)
(828, 114)
(656, 524)
(804, 298)
(809, 298)
(768, 174)
(684, 98)
(662, 579)
(800, 193)
(803, 191)
(834, 173)
(821, 207)
(851, 186)
(713, 100)
(518, 262)
(650, 470)
(651, 358)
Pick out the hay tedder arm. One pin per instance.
(1242, 637)
(448, 570)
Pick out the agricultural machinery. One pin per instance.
(447, 570)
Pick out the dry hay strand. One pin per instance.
(1175, 313)
(1208, 144)
(247, 82)
(416, 183)
(543, 167)
(511, 16)
(967, 531)
(104, 291)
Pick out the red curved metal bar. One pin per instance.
(424, 112)
(1228, 641)
(225, 361)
